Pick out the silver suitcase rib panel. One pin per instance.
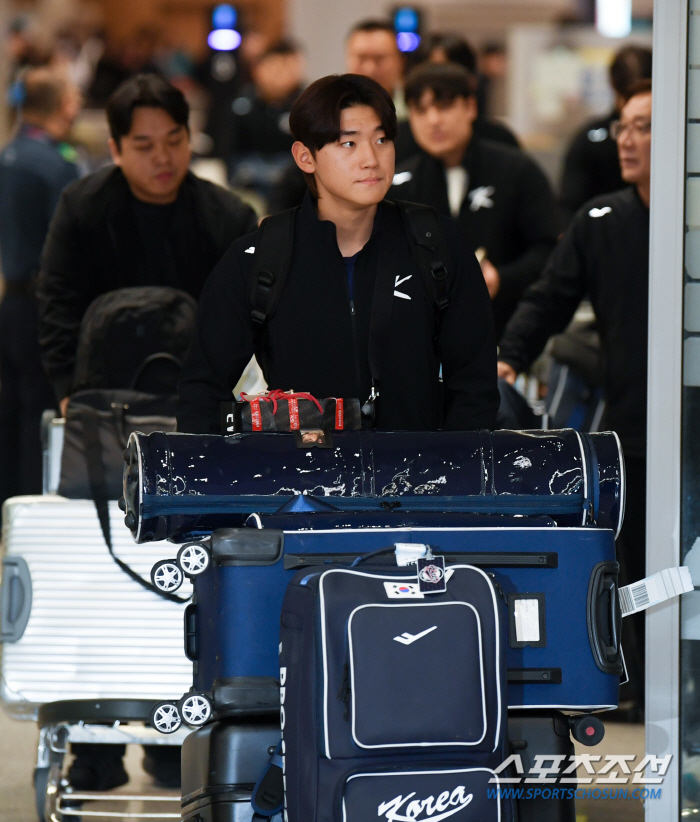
(93, 633)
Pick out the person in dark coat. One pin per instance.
(319, 337)
(605, 254)
(34, 168)
(498, 197)
(591, 164)
(146, 220)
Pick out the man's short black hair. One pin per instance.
(631, 63)
(315, 117)
(457, 50)
(144, 91)
(446, 80)
(373, 25)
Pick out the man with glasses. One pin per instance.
(604, 255)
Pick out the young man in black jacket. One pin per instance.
(605, 254)
(497, 196)
(346, 238)
(144, 221)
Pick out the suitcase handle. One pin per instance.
(604, 618)
(15, 599)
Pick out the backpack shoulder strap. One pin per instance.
(429, 248)
(273, 254)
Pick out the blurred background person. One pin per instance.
(260, 142)
(34, 169)
(372, 50)
(493, 72)
(591, 163)
(453, 49)
(498, 196)
(605, 254)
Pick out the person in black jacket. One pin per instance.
(34, 168)
(591, 164)
(605, 254)
(498, 196)
(144, 221)
(319, 337)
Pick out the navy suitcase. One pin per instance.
(568, 575)
(383, 713)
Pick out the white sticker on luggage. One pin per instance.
(402, 590)
(526, 613)
(669, 583)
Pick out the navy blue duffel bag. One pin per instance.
(184, 485)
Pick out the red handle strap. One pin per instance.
(278, 394)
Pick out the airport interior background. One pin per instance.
(543, 72)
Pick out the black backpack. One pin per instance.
(133, 337)
(273, 254)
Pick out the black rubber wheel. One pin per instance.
(588, 730)
(41, 779)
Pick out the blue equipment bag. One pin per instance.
(384, 713)
(181, 486)
(569, 658)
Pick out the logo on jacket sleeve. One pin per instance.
(599, 212)
(428, 810)
(481, 197)
(401, 177)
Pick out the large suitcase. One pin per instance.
(179, 485)
(75, 626)
(569, 577)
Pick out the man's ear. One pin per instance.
(303, 158)
(472, 107)
(114, 151)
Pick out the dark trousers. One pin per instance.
(25, 393)
(631, 554)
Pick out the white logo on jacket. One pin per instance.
(599, 212)
(397, 283)
(401, 177)
(481, 197)
(430, 807)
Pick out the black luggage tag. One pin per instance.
(431, 574)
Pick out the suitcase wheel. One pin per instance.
(588, 730)
(193, 559)
(166, 717)
(167, 576)
(195, 709)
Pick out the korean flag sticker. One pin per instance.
(431, 575)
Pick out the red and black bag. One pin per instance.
(289, 411)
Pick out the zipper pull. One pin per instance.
(497, 585)
(352, 307)
(345, 691)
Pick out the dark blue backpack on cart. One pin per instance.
(385, 714)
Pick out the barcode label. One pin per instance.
(625, 601)
(640, 595)
(655, 589)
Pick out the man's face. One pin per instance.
(375, 54)
(154, 156)
(634, 140)
(358, 168)
(277, 76)
(443, 128)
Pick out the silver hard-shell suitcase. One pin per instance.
(73, 624)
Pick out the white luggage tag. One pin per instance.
(669, 583)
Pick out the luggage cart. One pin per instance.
(105, 722)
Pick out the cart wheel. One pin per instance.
(166, 718)
(195, 709)
(194, 559)
(41, 781)
(588, 730)
(167, 576)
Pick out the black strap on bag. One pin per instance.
(100, 496)
(430, 250)
(273, 255)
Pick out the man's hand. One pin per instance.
(492, 277)
(507, 372)
(63, 405)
